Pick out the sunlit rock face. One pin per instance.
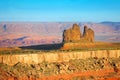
(74, 34)
(88, 34)
(56, 56)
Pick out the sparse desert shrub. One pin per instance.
(47, 69)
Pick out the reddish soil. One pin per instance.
(100, 73)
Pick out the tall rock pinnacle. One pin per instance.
(88, 34)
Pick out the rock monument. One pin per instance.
(74, 34)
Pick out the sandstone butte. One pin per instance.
(70, 35)
(74, 34)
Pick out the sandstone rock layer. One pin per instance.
(56, 56)
(74, 34)
(88, 34)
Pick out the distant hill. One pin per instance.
(34, 33)
(114, 25)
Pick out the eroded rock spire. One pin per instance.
(74, 34)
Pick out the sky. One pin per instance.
(59, 10)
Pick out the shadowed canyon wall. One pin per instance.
(35, 58)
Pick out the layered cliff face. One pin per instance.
(74, 34)
(40, 57)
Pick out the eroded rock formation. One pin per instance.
(88, 34)
(74, 34)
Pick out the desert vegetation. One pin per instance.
(68, 46)
(87, 46)
(81, 67)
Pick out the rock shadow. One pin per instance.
(44, 47)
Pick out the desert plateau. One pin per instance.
(59, 39)
(79, 57)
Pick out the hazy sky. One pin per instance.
(60, 10)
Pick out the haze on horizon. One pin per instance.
(59, 10)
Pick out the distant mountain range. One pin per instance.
(35, 33)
